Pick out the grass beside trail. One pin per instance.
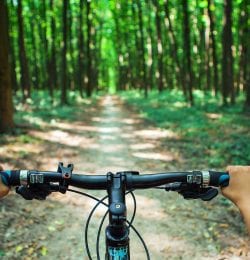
(41, 109)
(211, 136)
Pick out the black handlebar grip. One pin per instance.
(15, 178)
(10, 178)
(219, 179)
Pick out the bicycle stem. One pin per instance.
(117, 232)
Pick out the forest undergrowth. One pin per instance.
(211, 135)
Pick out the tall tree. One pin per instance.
(71, 62)
(151, 42)
(188, 74)
(201, 61)
(118, 41)
(14, 82)
(81, 65)
(6, 107)
(45, 51)
(89, 58)
(214, 47)
(137, 60)
(175, 49)
(35, 69)
(142, 50)
(227, 59)
(52, 61)
(159, 45)
(64, 53)
(244, 52)
(207, 56)
(25, 80)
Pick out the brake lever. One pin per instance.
(192, 191)
(209, 194)
(205, 194)
(36, 191)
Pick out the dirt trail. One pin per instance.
(111, 137)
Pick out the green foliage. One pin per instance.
(115, 49)
(210, 135)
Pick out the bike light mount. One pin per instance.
(66, 175)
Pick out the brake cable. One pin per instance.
(101, 201)
(87, 195)
(129, 225)
(87, 224)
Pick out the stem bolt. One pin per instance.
(117, 206)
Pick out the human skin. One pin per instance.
(3, 188)
(238, 190)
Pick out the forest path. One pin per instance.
(112, 137)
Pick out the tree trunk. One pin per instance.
(142, 50)
(35, 70)
(52, 61)
(6, 106)
(137, 61)
(214, 51)
(151, 40)
(202, 51)
(94, 55)
(71, 64)
(244, 68)
(179, 70)
(207, 56)
(118, 39)
(187, 51)
(25, 80)
(227, 59)
(81, 67)
(89, 60)
(159, 46)
(64, 58)
(45, 51)
(14, 82)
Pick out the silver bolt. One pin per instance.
(117, 206)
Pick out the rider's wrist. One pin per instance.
(244, 206)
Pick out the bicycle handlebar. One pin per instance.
(100, 182)
(39, 184)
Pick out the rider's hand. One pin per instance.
(238, 190)
(3, 188)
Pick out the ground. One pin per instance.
(111, 136)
